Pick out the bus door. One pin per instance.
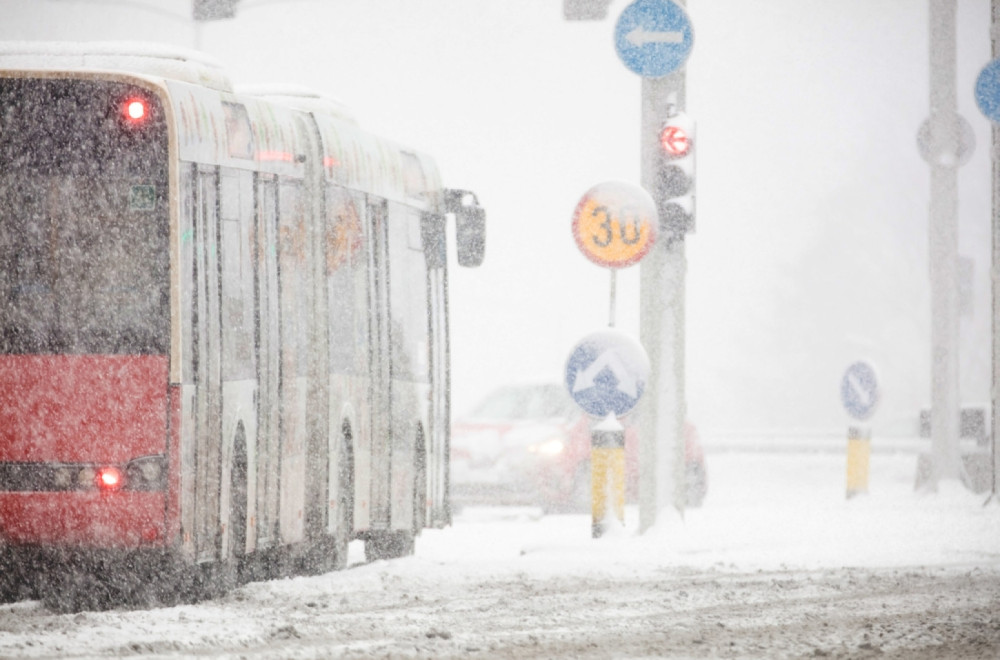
(380, 359)
(207, 372)
(268, 362)
(293, 293)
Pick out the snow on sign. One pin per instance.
(607, 372)
(653, 37)
(614, 224)
(859, 390)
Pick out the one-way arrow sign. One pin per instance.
(859, 390)
(606, 373)
(653, 37)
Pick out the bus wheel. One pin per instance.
(217, 579)
(345, 503)
(388, 544)
(420, 486)
(74, 590)
(13, 584)
(238, 499)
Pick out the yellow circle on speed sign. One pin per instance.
(615, 224)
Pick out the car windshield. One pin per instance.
(526, 402)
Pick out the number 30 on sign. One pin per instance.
(615, 224)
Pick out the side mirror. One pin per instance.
(470, 227)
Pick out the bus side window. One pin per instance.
(346, 282)
(293, 269)
(408, 294)
(237, 277)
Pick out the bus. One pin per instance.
(223, 332)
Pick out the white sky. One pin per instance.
(811, 246)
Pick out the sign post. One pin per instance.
(860, 395)
(654, 38)
(606, 375)
(987, 93)
(614, 225)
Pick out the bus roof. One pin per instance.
(300, 98)
(157, 60)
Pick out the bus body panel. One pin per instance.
(82, 408)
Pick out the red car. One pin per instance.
(530, 445)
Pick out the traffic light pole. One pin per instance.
(662, 289)
(995, 272)
(945, 401)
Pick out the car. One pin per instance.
(529, 445)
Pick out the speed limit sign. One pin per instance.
(614, 224)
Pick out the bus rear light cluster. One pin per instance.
(142, 474)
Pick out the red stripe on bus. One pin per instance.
(83, 520)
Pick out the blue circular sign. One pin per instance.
(988, 91)
(859, 390)
(653, 37)
(607, 373)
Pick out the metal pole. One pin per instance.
(661, 316)
(613, 297)
(995, 270)
(943, 249)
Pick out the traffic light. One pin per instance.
(675, 174)
(213, 10)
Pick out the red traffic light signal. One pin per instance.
(675, 141)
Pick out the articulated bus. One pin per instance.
(223, 329)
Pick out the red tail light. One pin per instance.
(135, 110)
(110, 478)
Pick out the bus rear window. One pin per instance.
(83, 218)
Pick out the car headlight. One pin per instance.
(551, 447)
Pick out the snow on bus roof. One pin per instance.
(300, 98)
(150, 59)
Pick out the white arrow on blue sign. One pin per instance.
(859, 390)
(607, 373)
(653, 37)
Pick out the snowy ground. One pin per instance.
(777, 563)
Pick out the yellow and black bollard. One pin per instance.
(607, 474)
(858, 452)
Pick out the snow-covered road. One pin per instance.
(778, 563)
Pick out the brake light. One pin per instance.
(110, 478)
(135, 110)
